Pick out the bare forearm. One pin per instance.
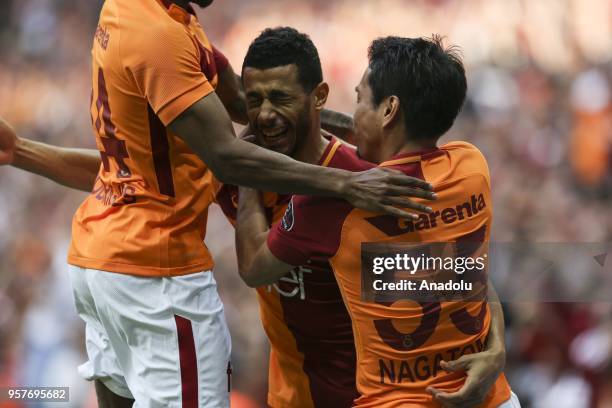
(251, 231)
(263, 169)
(74, 168)
(243, 171)
(337, 123)
(208, 131)
(495, 339)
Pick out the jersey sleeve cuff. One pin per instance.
(173, 108)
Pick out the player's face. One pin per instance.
(278, 107)
(367, 121)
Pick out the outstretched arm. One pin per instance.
(74, 168)
(207, 129)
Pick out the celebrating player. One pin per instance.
(157, 120)
(312, 361)
(408, 97)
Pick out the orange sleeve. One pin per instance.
(166, 67)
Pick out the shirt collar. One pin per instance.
(412, 157)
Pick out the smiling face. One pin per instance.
(278, 107)
(368, 122)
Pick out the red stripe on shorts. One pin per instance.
(189, 365)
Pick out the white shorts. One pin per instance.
(161, 341)
(513, 402)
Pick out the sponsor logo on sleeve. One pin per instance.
(288, 218)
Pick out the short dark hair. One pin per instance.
(428, 79)
(276, 47)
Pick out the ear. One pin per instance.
(320, 95)
(391, 110)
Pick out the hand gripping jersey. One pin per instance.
(312, 352)
(147, 212)
(400, 344)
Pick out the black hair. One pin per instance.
(276, 47)
(428, 79)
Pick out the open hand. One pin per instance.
(387, 191)
(482, 370)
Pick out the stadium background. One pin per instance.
(539, 106)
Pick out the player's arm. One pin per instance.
(74, 168)
(256, 264)
(207, 129)
(495, 340)
(482, 368)
(183, 99)
(339, 124)
(232, 96)
(229, 89)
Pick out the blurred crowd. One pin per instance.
(539, 107)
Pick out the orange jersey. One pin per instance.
(400, 344)
(312, 352)
(147, 212)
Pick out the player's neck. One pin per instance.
(416, 146)
(397, 144)
(313, 150)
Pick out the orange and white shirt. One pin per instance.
(312, 351)
(146, 215)
(400, 344)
